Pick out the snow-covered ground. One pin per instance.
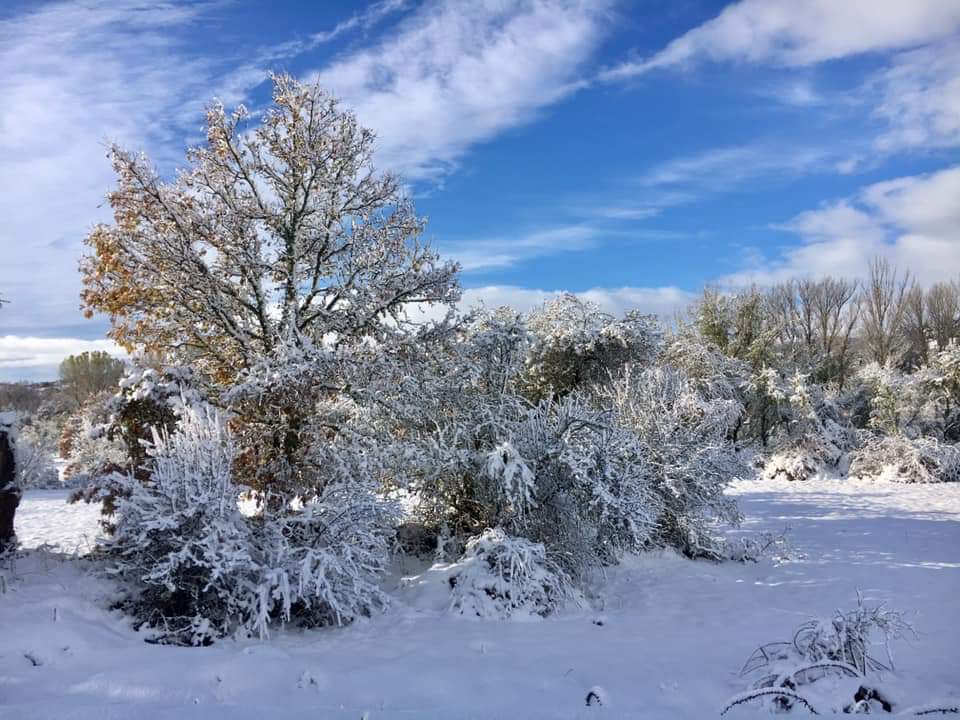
(667, 644)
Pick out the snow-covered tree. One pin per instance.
(280, 266)
(279, 232)
(894, 400)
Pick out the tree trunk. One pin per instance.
(9, 493)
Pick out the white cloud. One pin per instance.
(662, 301)
(74, 76)
(455, 74)
(920, 98)
(803, 32)
(917, 95)
(913, 221)
(796, 92)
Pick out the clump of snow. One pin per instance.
(502, 577)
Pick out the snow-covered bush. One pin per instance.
(500, 576)
(894, 400)
(35, 468)
(640, 462)
(576, 345)
(180, 542)
(901, 459)
(93, 453)
(195, 568)
(811, 437)
(688, 457)
(576, 481)
(849, 637)
(753, 547)
(940, 380)
(715, 375)
(147, 400)
(321, 562)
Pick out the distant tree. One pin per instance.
(89, 374)
(884, 309)
(943, 312)
(740, 325)
(916, 328)
(24, 397)
(815, 321)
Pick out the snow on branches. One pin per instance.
(195, 568)
(502, 577)
(274, 232)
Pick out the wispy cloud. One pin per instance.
(455, 74)
(796, 33)
(499, 252)
(917, 96)
(74, 76)
(730, 169)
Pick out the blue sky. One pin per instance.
(627, 151)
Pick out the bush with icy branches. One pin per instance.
(901, 459)
(576, 345)
(93, 453)
(500, 576)
(689, 458)
(35, 468)
(812, 436)
(195, 568)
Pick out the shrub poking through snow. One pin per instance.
(196, 568)
(752, 548)
(901, 459)
(501, 577)
(840, 646)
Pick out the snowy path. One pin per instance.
(674, 632)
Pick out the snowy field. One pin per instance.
(667, 644)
